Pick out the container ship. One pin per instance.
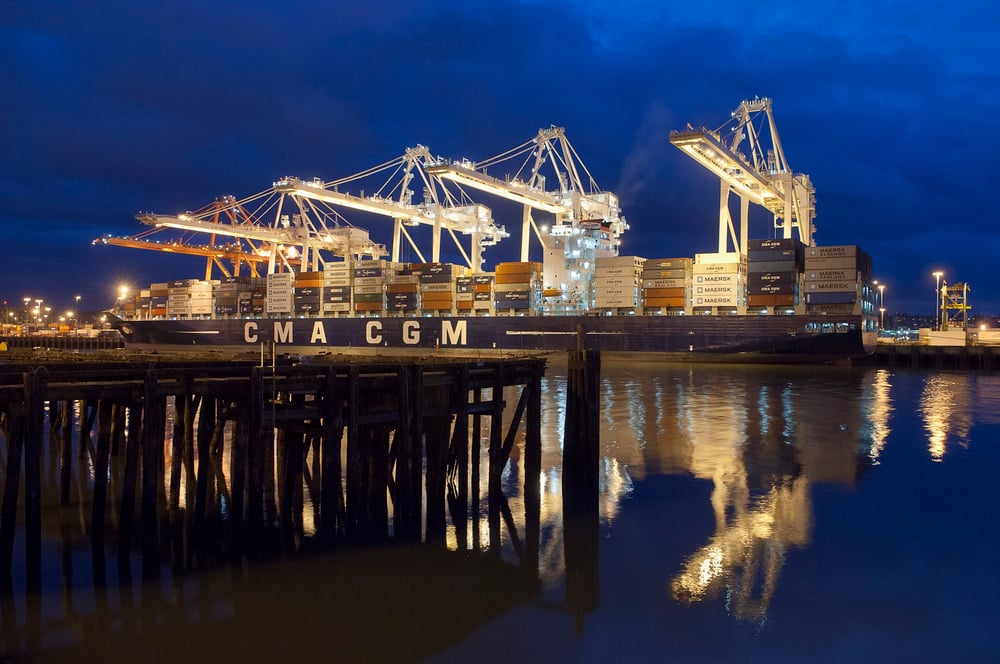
(764, 298)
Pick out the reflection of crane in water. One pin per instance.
(745, 555)
(760, 498)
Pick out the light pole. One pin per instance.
(881, 304)
(937, 299)
(77, 312)
(881, 312)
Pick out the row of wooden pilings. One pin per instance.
(413, 432)
(963, 358)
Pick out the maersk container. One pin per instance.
(831, 298)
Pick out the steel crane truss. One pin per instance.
(548, 152)
(763, 177)
(441, 208)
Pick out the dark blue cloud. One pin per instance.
(115, 107)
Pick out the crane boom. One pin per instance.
(763, 177)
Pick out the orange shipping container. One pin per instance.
(368, 306)
(401, 288)
(770, 300)
(665, 302)
(482, 288)
(514, 278)
(529, 266)
(664, 292)
(437, 296)
(465, 305)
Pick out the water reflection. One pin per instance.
(753, 446)
(761, 438)
(945, 406)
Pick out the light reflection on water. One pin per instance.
(722, 491)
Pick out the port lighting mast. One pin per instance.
(441, 209)
(762, 177)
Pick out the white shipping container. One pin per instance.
(465, 297)
(482, 304)
(837, 251)
(719, 289)
(719, 268)
(631, 280)
(724, 278)
(715, 301)
(831, 286)
(617, 271)
(728, 258)
(334, 307)
(367, 290)
(605, 261)
(832, 275)
(446, 286)
(666, 283)
(831, 263)
(368, 281)
(615, 302)
(336, 281)
(616, 292)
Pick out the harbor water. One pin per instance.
(745, 513)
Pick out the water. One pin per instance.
(746, 514)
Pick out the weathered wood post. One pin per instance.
(581, 453)
(533, 466)
(496, 459)
(34, 397)
(331, 495)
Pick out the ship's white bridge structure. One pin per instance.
(760, 175)
(444, 208)
(588, 222)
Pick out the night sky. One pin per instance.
(111, 108)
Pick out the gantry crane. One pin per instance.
(289, 241)
(763, 177)
(588, 222)
(216, 256)
(440, 208)
(572, 203)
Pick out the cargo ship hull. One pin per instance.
(795, 336)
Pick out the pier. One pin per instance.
(389, 451)
(974, 358)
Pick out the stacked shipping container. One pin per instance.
(666, 284)
(616, 282)
(774, 268)
(517, 286)
(718, 282)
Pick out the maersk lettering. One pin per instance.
(373, 332)
(250, 333)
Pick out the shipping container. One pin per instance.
(668, 273)
(655, 302)
(758, 300)
(774, 243)
(772, 289)
(831, 298)
(776, 277)
(668, 263)
(665, 292)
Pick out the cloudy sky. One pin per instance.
(110, 108)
